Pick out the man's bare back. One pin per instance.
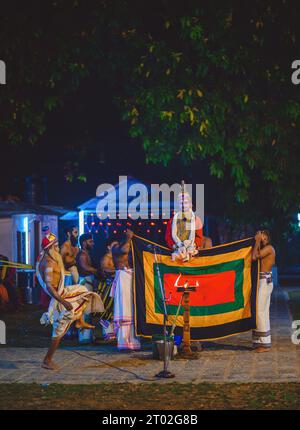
(267, 258)
(264, 252)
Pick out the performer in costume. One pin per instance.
(184, 231)
(67, 303)
(122, 292)
(264, 252)
(184, 234)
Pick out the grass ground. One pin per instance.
(150, 396)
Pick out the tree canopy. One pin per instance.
(194, 80)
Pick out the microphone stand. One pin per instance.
(164, 373)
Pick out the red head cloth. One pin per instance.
(49, 240)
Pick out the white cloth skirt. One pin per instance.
(82, 301)
(122, 291)
(262, 335)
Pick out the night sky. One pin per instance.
(87, 116)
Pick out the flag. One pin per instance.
(224, 302)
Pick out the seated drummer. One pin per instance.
(107, 265)
(84, 261)
(69, 250)
(107, 269)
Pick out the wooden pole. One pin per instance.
(186, 324)
(186, 351)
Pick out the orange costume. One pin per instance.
(198, 234)
(184, 231)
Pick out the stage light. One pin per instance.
(81, 223)
(26, 230)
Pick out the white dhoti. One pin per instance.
(262, 335)
(81, 300)
(122, 292)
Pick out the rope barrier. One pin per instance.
(14, 265)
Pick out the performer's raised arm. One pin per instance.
(124, 246)
(256, 248)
